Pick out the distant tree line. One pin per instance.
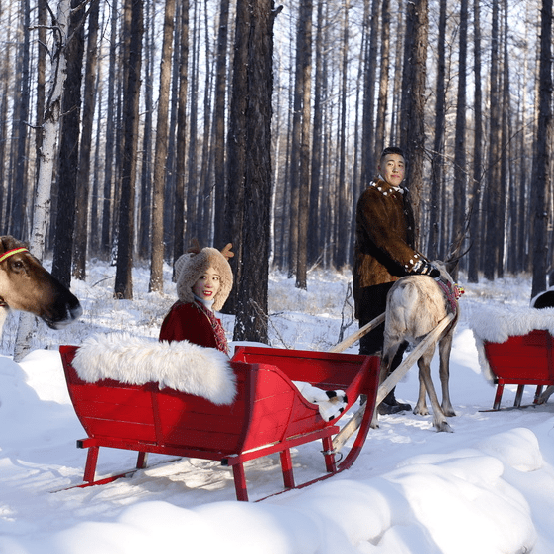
(172, 128)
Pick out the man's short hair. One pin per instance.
(392, 150)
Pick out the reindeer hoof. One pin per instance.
(423, 411)
(443, 427)
(374, 422)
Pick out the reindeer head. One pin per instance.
(25, 285)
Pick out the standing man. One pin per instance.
(383, 252)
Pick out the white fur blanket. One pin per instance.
(330, 403)
(182, 366)
(496, 324)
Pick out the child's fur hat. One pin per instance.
(191, 266)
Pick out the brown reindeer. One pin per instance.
(415, 305)
(25, 285)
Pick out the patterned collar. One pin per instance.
(384, 188)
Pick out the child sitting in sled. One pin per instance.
(204, 281)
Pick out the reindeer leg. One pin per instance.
(445, 347)
(421, 406)
(386, 360)
(439, 419)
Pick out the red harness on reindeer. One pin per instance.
(453, 291)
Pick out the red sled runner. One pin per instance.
(268, 414)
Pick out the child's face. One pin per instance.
(208, 284)
(393, 169)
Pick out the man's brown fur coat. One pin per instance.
(383, 249)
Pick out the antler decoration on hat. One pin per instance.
(195, 248)
(226, 252)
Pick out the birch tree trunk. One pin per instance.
(50, 128)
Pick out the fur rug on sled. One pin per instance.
(181, 365)
(178, 365)
(498, 323)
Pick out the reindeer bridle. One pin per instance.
(4, 257)
(452, 291)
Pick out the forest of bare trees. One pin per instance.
(259, 124)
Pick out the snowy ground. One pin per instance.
(487, 488)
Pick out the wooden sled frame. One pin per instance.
(268, 416)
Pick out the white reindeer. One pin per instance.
(415, 305)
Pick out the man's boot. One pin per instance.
(390, 405)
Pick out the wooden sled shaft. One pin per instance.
(347, 343)
(390, 382)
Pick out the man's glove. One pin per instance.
(425, 268)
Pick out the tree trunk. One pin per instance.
(367, 163)
(180, 206)
(108, 208)
(460, 169)
(296, 138)
(490, 253)
(83, 174)
(18, 212)
(475, 224)
(123, 277)
(219, 123)
(157, 251)
(252, 314)
(69, 146)
(437, 155)
(41, 82)
(236, 148)
(344, 206)
(27, 321)
(413, 103)
(383, 80)
(305, 38)
(205, 191)
(145, 223)
(315, 244)
(193, 188)
(541, 178)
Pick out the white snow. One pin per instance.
(487, 488)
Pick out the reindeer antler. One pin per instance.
(195, 248)
(226, 252)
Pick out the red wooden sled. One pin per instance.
(269, 415)
(521, 360)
